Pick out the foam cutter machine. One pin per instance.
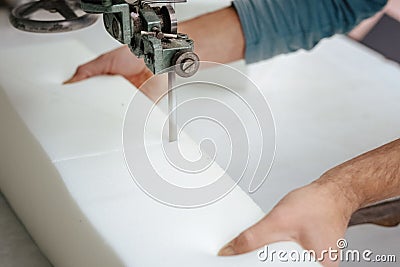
(150, 30)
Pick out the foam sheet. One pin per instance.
(63, 171)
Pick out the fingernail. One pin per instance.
(227, 250)
(67, 81)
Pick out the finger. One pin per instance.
(79, 75)
(95, 67)
(262, 233)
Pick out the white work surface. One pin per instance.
(332, 104)
(329, 105)
(63, 171)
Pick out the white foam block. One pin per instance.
(62, 169)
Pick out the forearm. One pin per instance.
(218, 36)
(368, 178)
(261, 29)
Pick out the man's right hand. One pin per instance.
(120, 61)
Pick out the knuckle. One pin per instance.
(82, 70)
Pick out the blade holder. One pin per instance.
(150, 29)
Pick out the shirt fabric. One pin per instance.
(273, 27)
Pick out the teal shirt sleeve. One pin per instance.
(273, 27)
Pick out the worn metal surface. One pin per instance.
(149, 30)
(21, 16)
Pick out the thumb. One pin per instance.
(260, 234)
(95, 67)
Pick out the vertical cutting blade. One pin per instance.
(173, 131)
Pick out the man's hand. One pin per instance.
(120, 61)
(315, 216)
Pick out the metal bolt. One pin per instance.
(188, 65)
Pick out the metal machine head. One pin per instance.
(149, 28)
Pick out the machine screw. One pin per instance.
(189, 65)
(186, 63)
